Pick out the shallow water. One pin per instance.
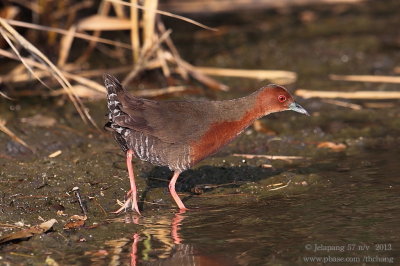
(352, 216)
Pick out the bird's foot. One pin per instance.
(124, 206)
(135, 206)
(131, 201)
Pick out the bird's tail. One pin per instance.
(114, 88)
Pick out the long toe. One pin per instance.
(124, 207)
(135, 206)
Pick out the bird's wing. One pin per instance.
(169, 121)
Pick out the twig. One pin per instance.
(287, 184)
(65, 46)
(57, 74)
(375, 95)
(269, 157)
(5, 96)
(366, 78)
(273, 75)
(221, 195)
(87, 82)
(170, 44)
(343, 104)
(208, 81)
(78, 195)
(144, 58)
(158, 92)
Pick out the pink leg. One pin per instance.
(129, 155)
(173, 192)
(132, 193)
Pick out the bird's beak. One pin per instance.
(297, 108)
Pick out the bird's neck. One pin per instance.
(231, 118)
(242, 110)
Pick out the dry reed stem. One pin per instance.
(285, 77)
(65, 46)
(64, 32)
(168, 14)
(100, 72)
(149, 19)
(171, 46)
(366, 78)
(87, 82)
(350, 95)
(159, 92)
(49, 65)
(144, 58)
(119, 10)
(277, 188)
(90, 93)
(135, 31)
(103, 10)
(206, 80)
(343, 104)
(269, 157)
(16, 77)
(5, 96)
(7, 37)
(104, 23)
(82, 92)
(45, 73)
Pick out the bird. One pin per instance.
(180, 133)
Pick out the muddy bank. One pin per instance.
(331, 195)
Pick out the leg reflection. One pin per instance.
(175, 226)
(134, 249)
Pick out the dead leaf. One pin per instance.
(333, 146)
(26, 233)
(76, 221)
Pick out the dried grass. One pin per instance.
(150, 46)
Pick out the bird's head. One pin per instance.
(275, 98)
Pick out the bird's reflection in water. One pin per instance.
(158, 242)
(134, 249)
(161, 243)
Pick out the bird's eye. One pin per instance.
(281, 98)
